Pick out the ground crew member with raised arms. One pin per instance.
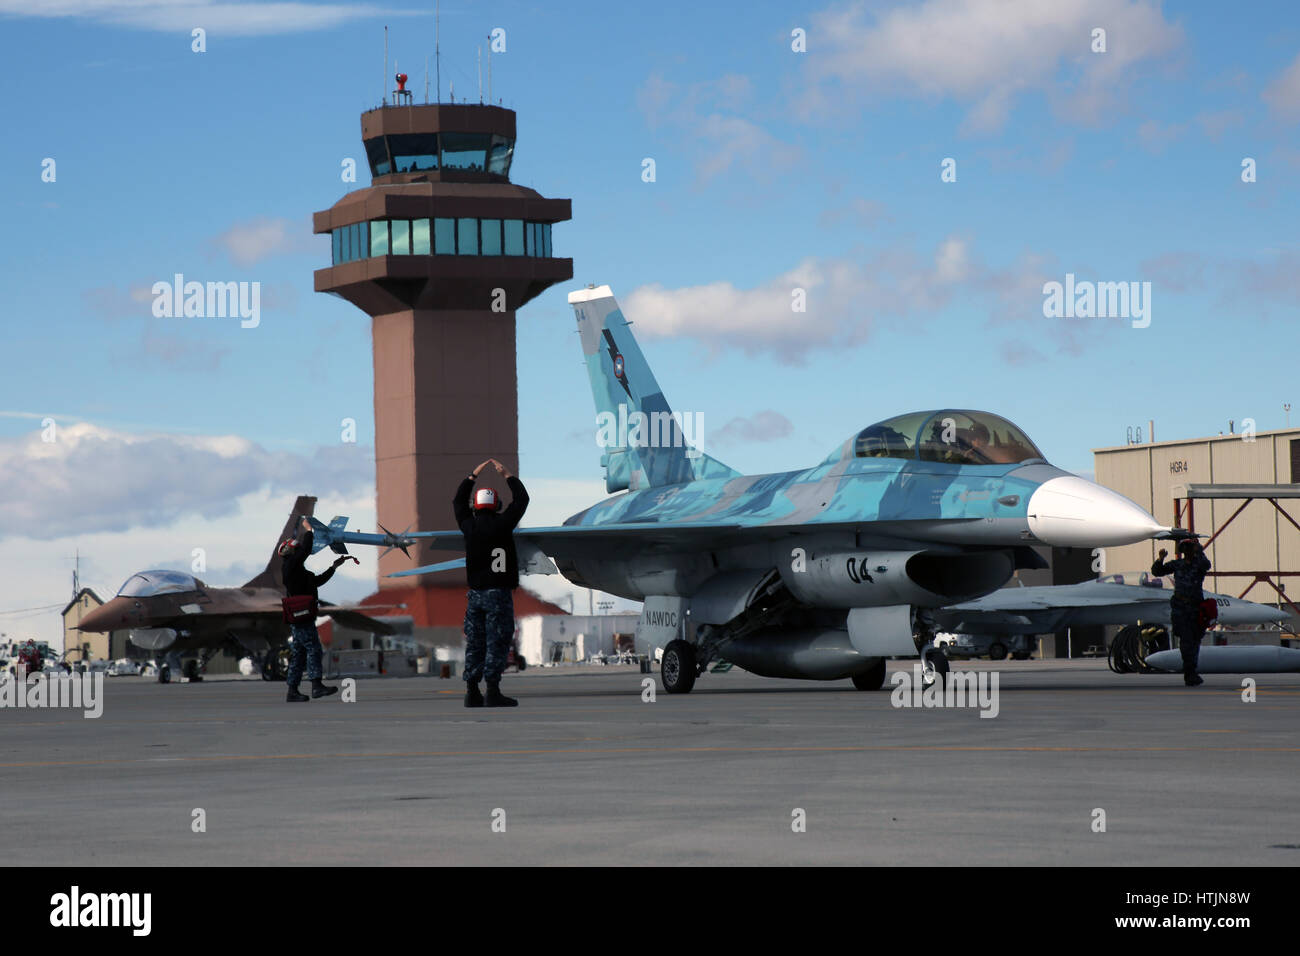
(300, 609)
(492, 570)
(1185, 605)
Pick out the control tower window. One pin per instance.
(378, 237)
(419, 237)
(337, 238)
(401, 229)
(894, 438)
(414, 152)
(491, 230)
(974, 438)
(467, 237)
(444, 237)
(514, 230)
(465, 151)
(377, 155)
(546, 240)
(502, 152)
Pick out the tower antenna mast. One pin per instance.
(383, 100)
(437, 51)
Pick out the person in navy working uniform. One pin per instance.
(492, 570)
(1185, 605)
(300, 582)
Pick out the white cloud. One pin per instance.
(985, 53)
(767, 425)
(250, 242)
(1154, 137)
(704, 119)
(92, 479)
(217, 17)
(1283, 94)
(845, 299)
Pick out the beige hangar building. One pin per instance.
(1260, 538)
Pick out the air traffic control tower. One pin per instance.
(440, 251)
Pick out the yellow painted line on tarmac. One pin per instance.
(648, 751)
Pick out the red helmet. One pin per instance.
(485, 499)
(286, 547)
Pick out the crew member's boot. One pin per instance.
(319, 689)
(497, 699)
(1193, 679)
(293, 696)
(473, 696)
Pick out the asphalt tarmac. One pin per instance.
(585, 771)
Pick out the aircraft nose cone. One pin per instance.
(1070, 512)
(97, 620)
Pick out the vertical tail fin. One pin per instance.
(646, 443)
(270, 577)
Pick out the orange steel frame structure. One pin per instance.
(1184, 507)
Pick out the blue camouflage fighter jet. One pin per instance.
(821, 573)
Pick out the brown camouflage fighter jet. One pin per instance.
(176, 615)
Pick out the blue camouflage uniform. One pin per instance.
(1185, 605)
(299, 581)
(489, 629)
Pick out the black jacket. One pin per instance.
(486, 531)
(298, 580)
(1189, 576)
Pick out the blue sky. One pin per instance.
(774, 170)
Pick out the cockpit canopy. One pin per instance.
(953, 436)
(149, 583)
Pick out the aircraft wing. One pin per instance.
(537, 545)
(356, 617)
(1053, 607)
(349, 615)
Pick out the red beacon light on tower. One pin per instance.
(401, 93)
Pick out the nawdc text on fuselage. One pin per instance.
(82, 691)
(961, 689)
(77, 909)
(215, 300)
(650, 430)
(1098, 300)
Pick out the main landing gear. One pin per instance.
(873, 679)
(934, 666)
(677, 668)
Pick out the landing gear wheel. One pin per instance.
(164, 673)
(872, 679)
(191, 670)
(997, 651)
(677, 668)
(934, 666)
(274, 664)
